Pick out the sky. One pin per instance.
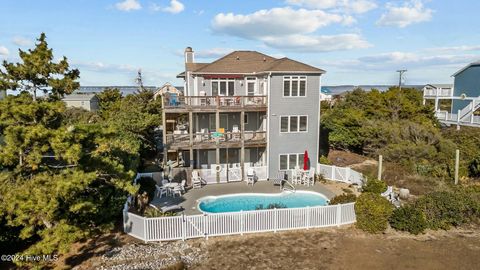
(355, 41)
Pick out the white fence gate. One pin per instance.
(341, 174)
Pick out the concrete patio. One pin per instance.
(189, 200)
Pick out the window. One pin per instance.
(223, 87)
(251, 85)
(294, 123)
(245, 118)
(290, 161)
(294, 86)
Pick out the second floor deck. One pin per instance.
(175, 103)
(209, 140)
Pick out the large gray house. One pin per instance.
(244, 110)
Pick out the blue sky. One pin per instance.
(356, 41)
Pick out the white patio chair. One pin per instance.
(180, 189)
(308, 178)
(196, 180)
(160, 191)
(250, 176)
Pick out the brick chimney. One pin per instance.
(189, 55)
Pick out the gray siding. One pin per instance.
(468, 83)
(290, 143)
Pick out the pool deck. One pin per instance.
(189, 200)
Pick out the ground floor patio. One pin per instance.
(189, 200)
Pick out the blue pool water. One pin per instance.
(250, 201)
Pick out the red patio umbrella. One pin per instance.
(305, 161)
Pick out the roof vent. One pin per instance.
(264, 59)
(238, 58)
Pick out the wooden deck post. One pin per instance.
(164, 131)
(190, 131)
(380, 164)
(217, 149)
(242, 138)
(457, 164)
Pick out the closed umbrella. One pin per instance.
(305, 161)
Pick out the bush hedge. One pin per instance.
(375, 186)
(408, 218)
(343, 198)
(373, 212)
(147, 184)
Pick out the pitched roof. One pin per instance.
(79, 97)
(477, 63)
(251, 62)
(440, 85)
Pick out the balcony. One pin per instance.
(209, 140)
(437, 92)
(213, 103)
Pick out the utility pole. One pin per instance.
(400, 77)
(457, 165)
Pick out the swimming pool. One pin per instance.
(254, 201)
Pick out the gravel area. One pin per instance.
(152, 256)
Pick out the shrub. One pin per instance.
(373, 212)
(147, 184)
(374, 186)
(151, 212)
(270, 206)
(324, 160)
(343, 198)
(444, 209)
(408, 218)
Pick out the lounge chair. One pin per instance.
(196, 179)
(279, 179)
(250, 176)
(180, 189)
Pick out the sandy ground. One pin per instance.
(335, 248)
(345, 248)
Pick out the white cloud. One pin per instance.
(288, 28)
(322, 43)
(410, 12)
(4, 51)
(275, 21)
(128, 5)
(353, 6)
(462, 48)
(174, 7)
(22, 41)
(103, 67)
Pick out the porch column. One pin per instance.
(190, 131)
(242, 138)
(164, 135)
(436, 104)
(217, 142)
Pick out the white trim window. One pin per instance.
(293, 123)
(251, 83)
(290, 161)
(294, 86)
(223, 87)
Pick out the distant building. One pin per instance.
(464, 96)
(3, 94)
(326, 94)
(89, 102)
(168, 88)
(125, 90)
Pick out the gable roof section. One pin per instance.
(242, 62)
(468, 66)
(79, 97)
(289, 65)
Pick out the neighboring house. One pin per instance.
(170, 89)
(326, 94)
(464, 96)
(88, 102)
(246, 109)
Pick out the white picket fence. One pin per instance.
(185, 227)
(341, 174)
